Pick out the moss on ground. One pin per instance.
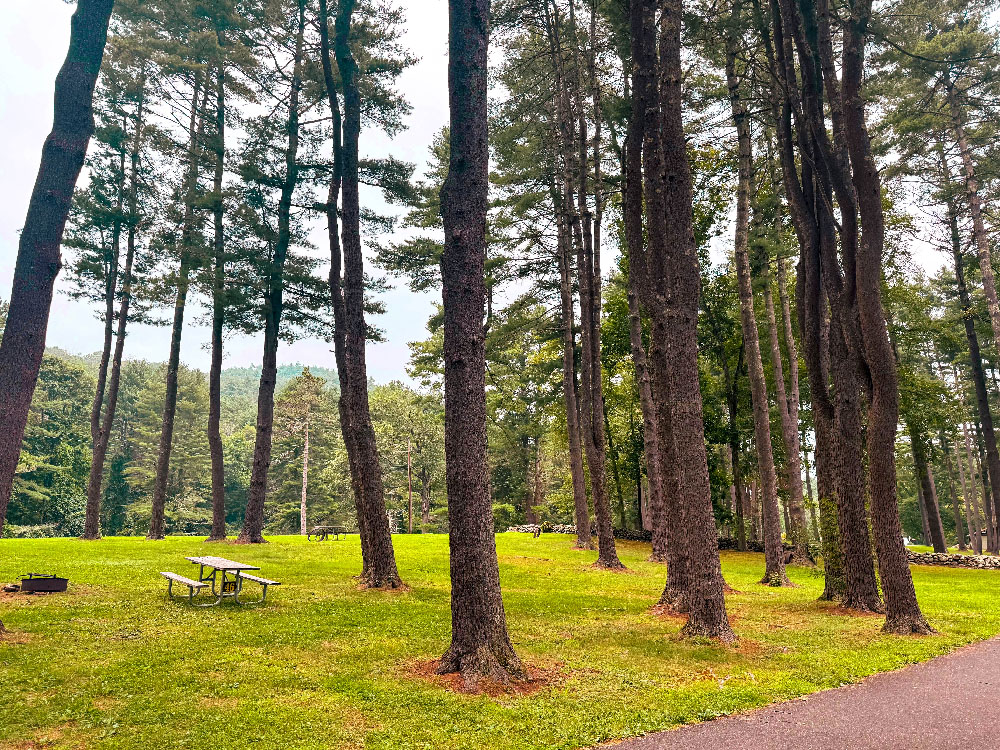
(113, 664)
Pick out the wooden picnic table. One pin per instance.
(322, 533)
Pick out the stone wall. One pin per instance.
(977, 562)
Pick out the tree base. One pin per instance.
(590, 546)
(386, 582)
(609, 564)
(674, 602)
(255, 539)
(776, 580)
(858, 604)
(90, 538)
(911, 624)
(213, 539)
(155, 537)
(720, 631)
(486, 665)
(657, 557)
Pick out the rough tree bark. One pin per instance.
(931, 509)
(38, 254)
(902, 612)
(195, 132)
(379, 566)
(253, 524)
(218, 532)
(480, 646)
(673, 309)
(956, 503)
(971, 497)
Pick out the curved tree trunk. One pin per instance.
(38, 252)
(480, 646)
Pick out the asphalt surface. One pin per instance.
(951, 702)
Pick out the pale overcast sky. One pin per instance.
(33, 38)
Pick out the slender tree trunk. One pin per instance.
(813, 519)
(253, 524)
(976, 363)
(92, 520)
(156, 524)
(798, 531)
(425, 499)
(581, 511)
(303, 518)
(380, 567)
(651, 450)
(480, 646)
(956, 503)
(38, 254)
(337, 290)
(925, 535)
(615, 473)
(974, 200)
(218, 532)
(931, 509)
(92, 529)
(774, 573)
(971, 499)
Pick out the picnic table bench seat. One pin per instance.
(264, 582)
(173, 578)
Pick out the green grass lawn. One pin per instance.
(113, 664)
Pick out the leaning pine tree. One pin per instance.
(38, 253)
(480, 646)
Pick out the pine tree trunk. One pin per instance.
(930, 508)
(425, 500)
(651, 449)
(350, 335)
(774, 572)
(38, 253)
(195, 127)
(92, 519)
(674, 359)
(218, 532)
(303, 518)
(956, 503)
(253, 523)
(971, 494)
(584, 539)
(974, 200)
(480, 646)
(903, 613)
(976, 363)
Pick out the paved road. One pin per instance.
(948, 703)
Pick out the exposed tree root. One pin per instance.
(155, 538)
(912, 624)
(90, 538)
(657, 557)
(484, 667)
(673, 601)
(214, 539)
(589, 547)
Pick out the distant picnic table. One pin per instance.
(322, 533)
(234, 574)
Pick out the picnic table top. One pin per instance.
(327, 527)
(221, 563)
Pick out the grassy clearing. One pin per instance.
(113, 664)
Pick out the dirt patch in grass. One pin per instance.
(218, 703)
(539, 678)
(64, 736)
